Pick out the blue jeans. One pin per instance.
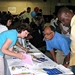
(73, 69)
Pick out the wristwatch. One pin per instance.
(67, 62)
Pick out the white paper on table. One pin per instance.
(15, 62)
(19, 70)
(64, 70)
(34, 50)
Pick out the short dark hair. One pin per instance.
(64, 9)
(5, 18)
(23, 27)
(28, 8)
(52, 28)
(39, 14)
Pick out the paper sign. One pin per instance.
(12, 9)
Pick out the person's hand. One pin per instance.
(25, 49)
(20, 55)
(55, 60)
(64, 32)
(29, 51)
(66, 65)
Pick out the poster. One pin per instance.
(12, 9)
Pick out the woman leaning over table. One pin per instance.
(8, 40)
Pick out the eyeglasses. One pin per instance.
(47, 34)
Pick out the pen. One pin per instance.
(14, 58)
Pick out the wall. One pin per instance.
(17, 6)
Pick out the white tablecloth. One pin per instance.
(17, 66)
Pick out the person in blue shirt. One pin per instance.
(55, 40)
(8, 39)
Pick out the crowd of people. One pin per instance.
(24, 27)
(65, 23)
(58, 37)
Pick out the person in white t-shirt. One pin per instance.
(65, 30)
(5, 22)
(27, 14)
(54, 20)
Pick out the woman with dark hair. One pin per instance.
(5, 22)
(8, 40)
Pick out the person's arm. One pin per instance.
(53, 55)
(62, 30)
(5, 50)
(61, 26)
(66, 60)
(20, 46)
(69, 30)
(65, 47)
(56, 25)
(29, 37)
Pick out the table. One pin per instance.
(14, 66)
